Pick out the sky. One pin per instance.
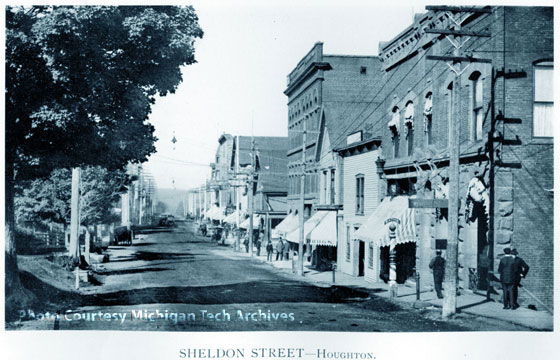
(243, 60)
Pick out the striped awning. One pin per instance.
(308, 226)
(390, 211)
(325, 232)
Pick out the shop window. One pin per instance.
(360, 194)
(543, 105)
(370, 255)
(348, 243)
(476, 107)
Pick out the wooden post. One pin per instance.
(88, 238)
(250, 196)
(75, 215)
(451, 264)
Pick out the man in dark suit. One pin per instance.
(521, 269)
(507, 277)
(438, 266)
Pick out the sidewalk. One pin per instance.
(467, 302)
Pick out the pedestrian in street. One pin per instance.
(437, 264)
(280, 250)
(521, 269)
(246, 242)
(286, 250)
(259, 243)
(507, 277)
(269, 250)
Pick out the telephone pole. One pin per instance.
(302, 200)
(250, 195)
(237, 196)
(454, 62)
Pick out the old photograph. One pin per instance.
(242, 167)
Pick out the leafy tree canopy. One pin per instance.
(81, 80)
(48, 200)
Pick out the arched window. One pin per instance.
(428, 119)
(543, 99)
(476, 107)
(394, 125)
(409, 126)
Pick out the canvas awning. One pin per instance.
(232, 218)
(390, 211)
(325, 232)
(289, 223)
(308, 226)
(245, 223)
(215, 213)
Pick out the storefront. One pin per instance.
(391, 227)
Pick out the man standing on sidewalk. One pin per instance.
(507, 277)
(269, 250)
(438, 266)
(521, 269)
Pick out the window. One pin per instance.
(370, 255)
(359, 194)
(347, 242)
(333, 191)
(476, 107)
(544, 100)
(325, 187)
(428, 119)
(394, 127)
(409, 126)
(363, 70)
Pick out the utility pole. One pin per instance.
(250, 195)
(237, 195)
(75, 215)
(449, 307)
(302, 199)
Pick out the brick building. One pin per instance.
(506, 144)
(322, 91)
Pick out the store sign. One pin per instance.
(398, 221)
(354, 137)
(427, 203)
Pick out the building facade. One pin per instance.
(504, 109)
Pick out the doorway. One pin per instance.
(361, 258)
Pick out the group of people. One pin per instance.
(512, 269)
(282, 247)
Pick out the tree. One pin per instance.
(80, 83)
(48, 200)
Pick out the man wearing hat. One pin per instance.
(438, 266)
(507, 277)
(521, 269)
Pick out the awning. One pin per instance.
(390, 211)
(289, 223)
(325, 232)
(308, 226)
(245, 223)
(232, 218)
(215, 213)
